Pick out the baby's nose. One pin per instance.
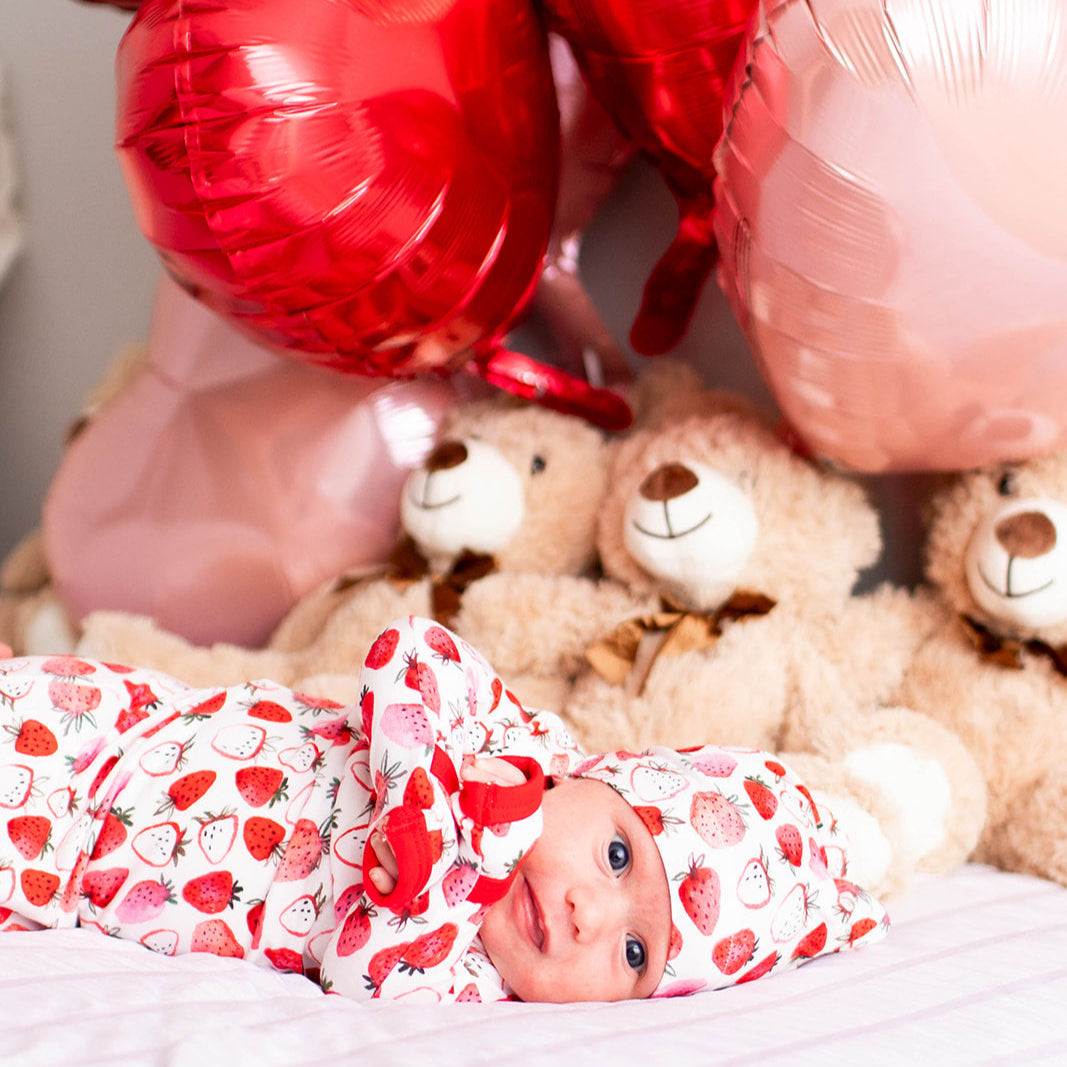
(593, 912)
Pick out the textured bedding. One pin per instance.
(973, 972)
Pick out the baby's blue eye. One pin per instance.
(618, 854)
(635, 953)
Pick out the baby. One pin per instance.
(435, 840)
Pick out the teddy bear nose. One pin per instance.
(1028, 534)
(668, 482)
(446, 455)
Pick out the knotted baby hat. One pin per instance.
(757, 872)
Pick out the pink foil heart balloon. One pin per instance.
(225, 482)
(660, 68)
(369, 185)
(891, 214)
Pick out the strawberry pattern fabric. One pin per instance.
(236, 820)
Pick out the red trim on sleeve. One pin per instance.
(489, 890)
(405, 830)
(442, 768)
(487, 803)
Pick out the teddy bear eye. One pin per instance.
(537, 464)
(1008, 484)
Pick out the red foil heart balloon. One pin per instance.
(660, 68)
(369, 185)
(893, 226)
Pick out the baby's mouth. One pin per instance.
(535, 926)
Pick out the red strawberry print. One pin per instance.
(790, 843)
(355, 932)
(763, 967)
(38, 887)
(381, 652)
(734, 952)
(811, 944)
(420, 677)
(775, 768)
(212, 893)
(366, 710)
(336, 731)
(675, 944)
(261, 785)
(186, 791)
(216, 937)
(270, 711)
(652, 817)
(30, 834)
(469, 995)
(302, 854)
(145, 900)
(101, 886)
(497, 688)
(442, 644)
(763, 799)
(285, 959)
(262, 836)
(418, 793)
(716, 819)
(807, 796)
(142, 699)
(701, 894)
(430, 949)
(860, 929)
(105, 769)
(33, 738)
(458, 882)
(254, 921)
(381, 965)
(67, 667)
(206, 708)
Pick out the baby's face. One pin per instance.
(588, 915)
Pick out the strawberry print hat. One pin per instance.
(756, 870)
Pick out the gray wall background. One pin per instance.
(83, 284)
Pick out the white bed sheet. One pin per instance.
(973, 972)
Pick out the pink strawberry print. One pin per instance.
(440, 641)
(754, 887)
(67, 667)
(145, 900)
(407, 725)
(458, 883)
(734, 952)
(716, 819)
(715, 763)
(381, 652)
(216, 937)
(302, 854)
(75, 703)
(216, 835)
(701, 895)
(159, 844)
(102, 885)
(336, 730)
(420, 677)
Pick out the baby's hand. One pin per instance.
(5, 651)
(383, 877)
(490, 769)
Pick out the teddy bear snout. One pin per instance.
(1026, 535)
(446, 455)
(668, 482)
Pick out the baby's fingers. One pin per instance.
(382, 880)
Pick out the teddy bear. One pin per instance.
(499, 525)
(994, 668)
(753, 552)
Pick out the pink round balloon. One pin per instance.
(225, 483)
(891, 214)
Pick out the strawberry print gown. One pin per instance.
(236, 820)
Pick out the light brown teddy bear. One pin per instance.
(759, 640)
(508, 499)
(994, 671)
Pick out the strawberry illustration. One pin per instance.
(30, 834)
(420, 677)
(302, 758)
(261, 785)
(458, 882)
(765, 966)
(347, 900)
(16, 784)
(164, 758)
(101, 775)
(38, 887)
(652, 817)
(714, 763)
(381, 652)
(262, 836)
(285, 959)
(716, 819)
(469, 995)
(811, 944)
(112, 833)
(754, 886)
(217, 835)
(62, 801)
(32, 738)
(775, 768)
(407, 725)
(144, 901)
(299, 917)
(67, 667)
(734, 952)
(442, 644)
(860, 929)
(216, 937)
(205, 708)
(701, 894)
(656, 784)
(159, 843)
(381, 965)
(270, 711)
(239, 740)
(496, 688)
(428, 950)
(7, 883)
(186, 791)
(165, 942)
(418, 793)
(366, 710)
(302, 854)
(792, 914)
(335, 730)
(790, 843)
(211, 893)
(101, 886)
(355, 932)
(75, 703)
(254, 921)
(763, 799)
